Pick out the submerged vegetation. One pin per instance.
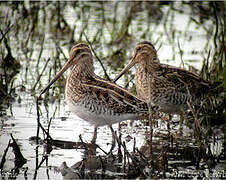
(34, 43)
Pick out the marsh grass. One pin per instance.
(35, 39)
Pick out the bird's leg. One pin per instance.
(94, 136)
(113, 138)
(168, 129)
(181, 122)
(150, 116)
(168, 122)
(119, 131)
(114, 135)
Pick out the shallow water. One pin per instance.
(20, 118)
(22, 125)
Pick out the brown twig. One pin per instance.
(4, 34)
(164, 161)
(125, 25)
(84, 144)
(124, 164)
(19, 158)
(102, 149)
(38, 119)
(61, 51)
(119, 143)
(181, 52)
(198, 129)
(102, 164)
(126, 155)
(48, 128)
(112, 144)
(41, 162)
(105, 72)
(39, 77)
(134, 145)
(4, 156)
(133, 158)
(217, 24)
(41, 50)
(39, 123)
(143, 157)
(150, 118)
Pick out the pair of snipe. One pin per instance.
(101, 102)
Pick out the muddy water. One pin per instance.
(65, 126)
(170, 28)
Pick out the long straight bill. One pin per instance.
(64, 68)
(128, 66)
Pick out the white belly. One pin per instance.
(98, 116)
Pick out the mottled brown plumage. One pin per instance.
(167, 86)
(94, 99)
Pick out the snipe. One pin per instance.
(168, 87)
(94, 99)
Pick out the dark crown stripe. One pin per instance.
(148, 43)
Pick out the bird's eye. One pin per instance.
(77, 52)
(139, 48)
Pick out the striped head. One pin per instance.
(145, 53)
(78, 53)
(80, 56)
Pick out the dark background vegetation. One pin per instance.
(36, 37)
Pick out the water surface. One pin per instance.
(43, 30)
